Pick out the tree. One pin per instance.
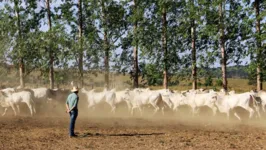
(135, 49)
(225, 32)
(222, 46)
(105, 45)
(159, 39)
(193, 47)
(80, 22)
(258, 43)
(50, 51)
(164, 46)
(19, 42)
(112, 25)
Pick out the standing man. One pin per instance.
(72, 109)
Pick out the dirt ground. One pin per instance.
(125, 132)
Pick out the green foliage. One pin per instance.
(152, 75)
(199, 84)
(208, 81)
(219, 82)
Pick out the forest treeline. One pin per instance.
(162, 41)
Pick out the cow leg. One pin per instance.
(156, 108)
(13, 107)
(263, 108)
(251, 112)
(33, 106)
(34, 110)
(214, 110)
(237, 116)
(132, 110)
(162, 110)
(30, 108)
(197, 111)
(228, 114)
(134, 107)
(113, 109)
(175, 108)
(129, 107)
(258, 112)
(18, 108)
(5, 111)
(141, 111)
(193, 111)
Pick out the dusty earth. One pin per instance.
(125, 132)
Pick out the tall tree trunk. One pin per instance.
(193, 52)
(106, 60)
(51, 61)
(258, 39)
(80, 42)
(164, 46)
(106, 47)
(135, 51)
(223, 52)
(21, 62)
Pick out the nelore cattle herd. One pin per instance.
(137, 99)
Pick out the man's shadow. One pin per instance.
(121, 134)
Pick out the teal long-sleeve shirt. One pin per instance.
(72, 100)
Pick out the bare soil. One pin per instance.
(125, 132)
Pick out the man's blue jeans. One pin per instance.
(73, 116)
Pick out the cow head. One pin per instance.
(4, 94)
(126, 96)
(214, 97)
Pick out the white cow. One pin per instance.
(195, 101)
(177, 100)
(138, 99)
(6, 103)
(42, 95)
(165, 93)
(9, 90)
(121, 96)
(247, 100)
(14, 99)
(95, 98)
